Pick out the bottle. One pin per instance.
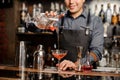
(34, 10)
(57, 8)
(52, 6)
(62, 8)
(95, 10)
(40, 8)
(114, 21)
(114, 30)
(28, 20)
(118, 28)
(108, 13)
(102, 13)
(118, 17)
(115, 44)
(115, 50)
(114, 16)
(23, 13)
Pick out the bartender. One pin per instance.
(79, 28)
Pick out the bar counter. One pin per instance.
(53, 71)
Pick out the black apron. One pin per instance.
(70, 39)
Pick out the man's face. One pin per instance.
(74, 6)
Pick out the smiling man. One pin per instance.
(79, 28)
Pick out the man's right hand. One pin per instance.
(67, 64)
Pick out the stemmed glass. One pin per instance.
(59, 54)
(79, 62)
(79, 56)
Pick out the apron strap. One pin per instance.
(62, 21)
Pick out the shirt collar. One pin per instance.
(83, 14)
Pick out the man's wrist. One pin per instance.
(93, 56)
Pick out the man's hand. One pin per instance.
(66, 64)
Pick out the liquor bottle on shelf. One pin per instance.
(57, 8)
(40, 8)
(23, 13)
(62, 9)
(114, 21)
(28, 19)
(102, 13)
(115, 50)
(108, 13)
(52, 6)
(115, 43)
(119, 17)
(114, 16)
(114, 30)
(95, 10)
(118, 28)
(34, 11)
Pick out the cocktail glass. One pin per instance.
(86, 66)
(59, 54)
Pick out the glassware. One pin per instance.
(38, 62)
(86, 66)
(79, 61)
(22, 59)
(59, 54)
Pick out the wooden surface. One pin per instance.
(4, 78)
(61, 72)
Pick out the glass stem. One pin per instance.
(58, 65)
(116, 66)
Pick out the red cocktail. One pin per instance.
(86, 68)
(59, 54)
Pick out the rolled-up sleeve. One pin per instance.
(97, 40)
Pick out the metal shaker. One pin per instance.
(38, 61)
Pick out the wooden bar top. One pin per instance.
(4, 78)
(92, 73)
